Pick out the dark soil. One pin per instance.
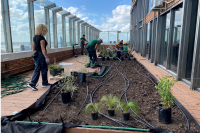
(141, 91)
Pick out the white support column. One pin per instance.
(86, 32)
(47, 23)
(55, 38)
(78, 26)
(7, 27)
(83, 28)
(31, 20)
(74, 30)
(70, 29)
(64, 28)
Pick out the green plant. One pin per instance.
(68, 82)
(114, 55)
(85, 61)
(54, 67)
(101, 48)
(93, 107)
(122, 52)
(103, 52)
(107, 55)
(110, 101)
(127, 106)
(164, 88)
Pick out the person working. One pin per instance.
(82, 39)
(40, 57)
(125, 48)
(120, 48)
(91, 49)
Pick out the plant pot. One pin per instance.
(102, 58)
(129, 58)
(74, 73)
(164, 115)
(94, 116)
(82, 78)
(111, 112)
(125, 116)
(121, 58)
(114, 58)
(55, 72)
(108, 58)
(131, 55)
(66, 97)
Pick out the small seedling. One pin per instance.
(110, 101)
(93, 107)
(127, 106)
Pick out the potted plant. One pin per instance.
(107, 57)
(103, 55)
(83, 71)
(164, 88)
(126, 107)
(114, 56)
(67, 85)
(110, 101)
(56, 70)
(94, 110)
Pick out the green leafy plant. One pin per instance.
(95, 107)
(122, 52)
(110, 101)
(101, 48)
(85, 61)
(127, 106)
(104, 52)
(68, 82)
(54, 67)
(164, 88)
(107, 55)
(114, 55)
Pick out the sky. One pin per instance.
(106, 15)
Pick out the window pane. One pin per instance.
(104, 36)
(3, 45)
(67, 32)
(19, 25)
(38, 15)
(59, 31)
(176, 39)
(164, 47)
(112, 37)
(123, 36)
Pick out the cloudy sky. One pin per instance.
(108, 15)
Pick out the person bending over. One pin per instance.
(91, 49)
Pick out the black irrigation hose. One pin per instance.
(84, 101)
(125, 92)
(91, 97)
(173, 100)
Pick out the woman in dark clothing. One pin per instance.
(41, 59)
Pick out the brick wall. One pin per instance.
(150, 15)
(25, 64)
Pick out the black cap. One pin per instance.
(83, 35)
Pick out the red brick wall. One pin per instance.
(25, 64)
(150, 15)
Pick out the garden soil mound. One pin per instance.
(141, 90)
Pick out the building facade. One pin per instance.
(169, 36)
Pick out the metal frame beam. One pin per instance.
(74, 30)
(78, 26)
(31, 20)
(70, 29)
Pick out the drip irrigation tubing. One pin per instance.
(91, 100)
(84, 101)
(173, 101)
(125, 92)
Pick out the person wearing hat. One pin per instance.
(91, 49)
(82, 39)
(125, 48)
(120, 48)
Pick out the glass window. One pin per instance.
(164, 46)
(124, 36)
(104, 36)
(3, 45)
(19, 25)
(39, 15)
(59, 31)
(112, 37)
(176, 39)
(51, 28)
(67, 32)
